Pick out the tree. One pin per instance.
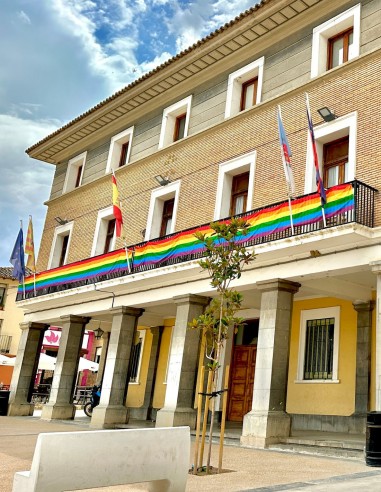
(224, 260)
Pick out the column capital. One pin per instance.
(30, 325)
(278, 284)
(72, 318)
(129, 311)
(363, 306)
(375, 266)
(191, 299)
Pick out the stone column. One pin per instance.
(112, 409)
(25, 369)
(142, 412)
(102, 361)
(376, 268)
(183, 363)
(267, 421)
(60, 405)
(363, 355)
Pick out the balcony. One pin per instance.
(348, 203)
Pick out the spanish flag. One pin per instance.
(29, 247)
(116, 208)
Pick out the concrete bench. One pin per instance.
(90, 459)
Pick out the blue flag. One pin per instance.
(17, 258)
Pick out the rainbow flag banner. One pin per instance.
(266, 224)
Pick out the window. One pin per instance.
(175, 122)
(179, 127)
(120, 150)
(60, 246)
(335, 160)
(336, 41)
(235, 186)
(244, 88)
(136, 356)
(162, 211)
(319, 339)
(249, 94)
(104, 237)
(3, 289)
(336, 149)
(166, 221)
(240, 185)
(98, 353)
(340, 48)
(74, 173)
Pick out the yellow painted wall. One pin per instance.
(325, 398)
(161, 385)
(11, 315)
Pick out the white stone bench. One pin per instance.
(90, 459)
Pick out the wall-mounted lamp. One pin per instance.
(98, 332)
(326, 114)
(61, 221)
(162, 181)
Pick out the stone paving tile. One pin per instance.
(250, 469)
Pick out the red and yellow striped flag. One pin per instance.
(29, 247)
(116, 208)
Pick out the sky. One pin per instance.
(59, 58)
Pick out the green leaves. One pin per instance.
(224, 259)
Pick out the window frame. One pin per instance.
(345, 35)
(155, 212)
(74, 173)
(3, 287)
(168, 123)
(142, 335)
(116, 149)
(56, 249)
(227, 170)
(237, 79)
(312, 314)
(325, 133)
(324, 32)
(103, 218)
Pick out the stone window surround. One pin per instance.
(309, 314)
(103, 217)
(72, 170)
(328, 132)
(55, 251)
(235, 81)
(322, 33)
(115, 150)
(226, 172)
(169, 120)
(155, 212)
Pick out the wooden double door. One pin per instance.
(241, 381)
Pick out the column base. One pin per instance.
(261, 429)
(167, 417)
(140, 413)
(55, 411)
(109, 417)
(20, 409)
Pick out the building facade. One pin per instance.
(193, 141)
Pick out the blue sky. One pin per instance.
(59, 58)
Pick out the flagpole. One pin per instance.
(128, 261)
(319, 182)
(23, 274)
(286, 168)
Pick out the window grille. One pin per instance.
(318, 359)
(135, 360)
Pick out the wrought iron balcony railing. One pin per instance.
(346, 203)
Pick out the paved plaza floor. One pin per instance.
(246, 469)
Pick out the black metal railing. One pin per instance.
(362, 213)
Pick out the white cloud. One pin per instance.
(24, 17)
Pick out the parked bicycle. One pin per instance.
(94, 401)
